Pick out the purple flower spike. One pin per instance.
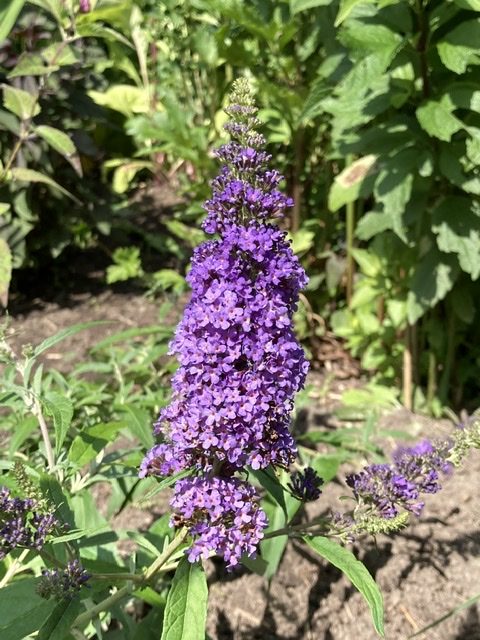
(240, 363)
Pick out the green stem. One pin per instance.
(12, 569)
(169, 551)
(350, 234)
(84, 618)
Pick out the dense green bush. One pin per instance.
(370, 108)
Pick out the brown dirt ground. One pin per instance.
(431, 567)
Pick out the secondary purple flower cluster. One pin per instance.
(62, 583)
(240, 364)
(22, 523)
(222, 513)
(390, 488)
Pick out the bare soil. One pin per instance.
(431, 567)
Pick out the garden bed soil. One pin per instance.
(429, 568)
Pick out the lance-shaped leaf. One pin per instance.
(186, 608)
(355, 571)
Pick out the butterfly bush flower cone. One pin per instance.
(240, 363)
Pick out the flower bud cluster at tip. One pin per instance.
(240, 363)
(62, 583)
(24, 523)
(305, 485)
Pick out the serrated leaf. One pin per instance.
(459, 233)
(138, 421)
(29, 175)
(60, 408)
(31, 64)
(59, 54)
(186, 608)
(432, 279)
(460, 47)
(355, 181)
(437, 119)
(355, 571)
(21, 103)
(59, 622)
(5, 271)
(8, 15)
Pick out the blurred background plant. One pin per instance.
(370, 108)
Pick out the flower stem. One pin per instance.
(157, 565)
(169, 551)
(12, 569)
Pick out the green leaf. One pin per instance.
(57, 139)
(126, 99)
(460, 47)
(270, 482)
(296, 6)
(186, 608)
(469, 4)
(32, 64)
(48, 343)
(8, 15)
(437, 119)
(163, 484)
(355, 181)
(53, 491)
(88, 444)
(22, 611)
(278, 517)
(138, 421)
(432, 279)
(59, 622)
(60, 408)
(355, 571)
(59, 54)
(346, 8)
(459, 233)
(21, 103)
(29, 175)
(5, 271)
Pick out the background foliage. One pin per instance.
(370, 108)
(372, 112)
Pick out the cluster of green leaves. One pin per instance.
(90, 428)
(97, 419)
(404, 118)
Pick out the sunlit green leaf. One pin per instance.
(186, 608)
(22, 103)
(355, 571)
